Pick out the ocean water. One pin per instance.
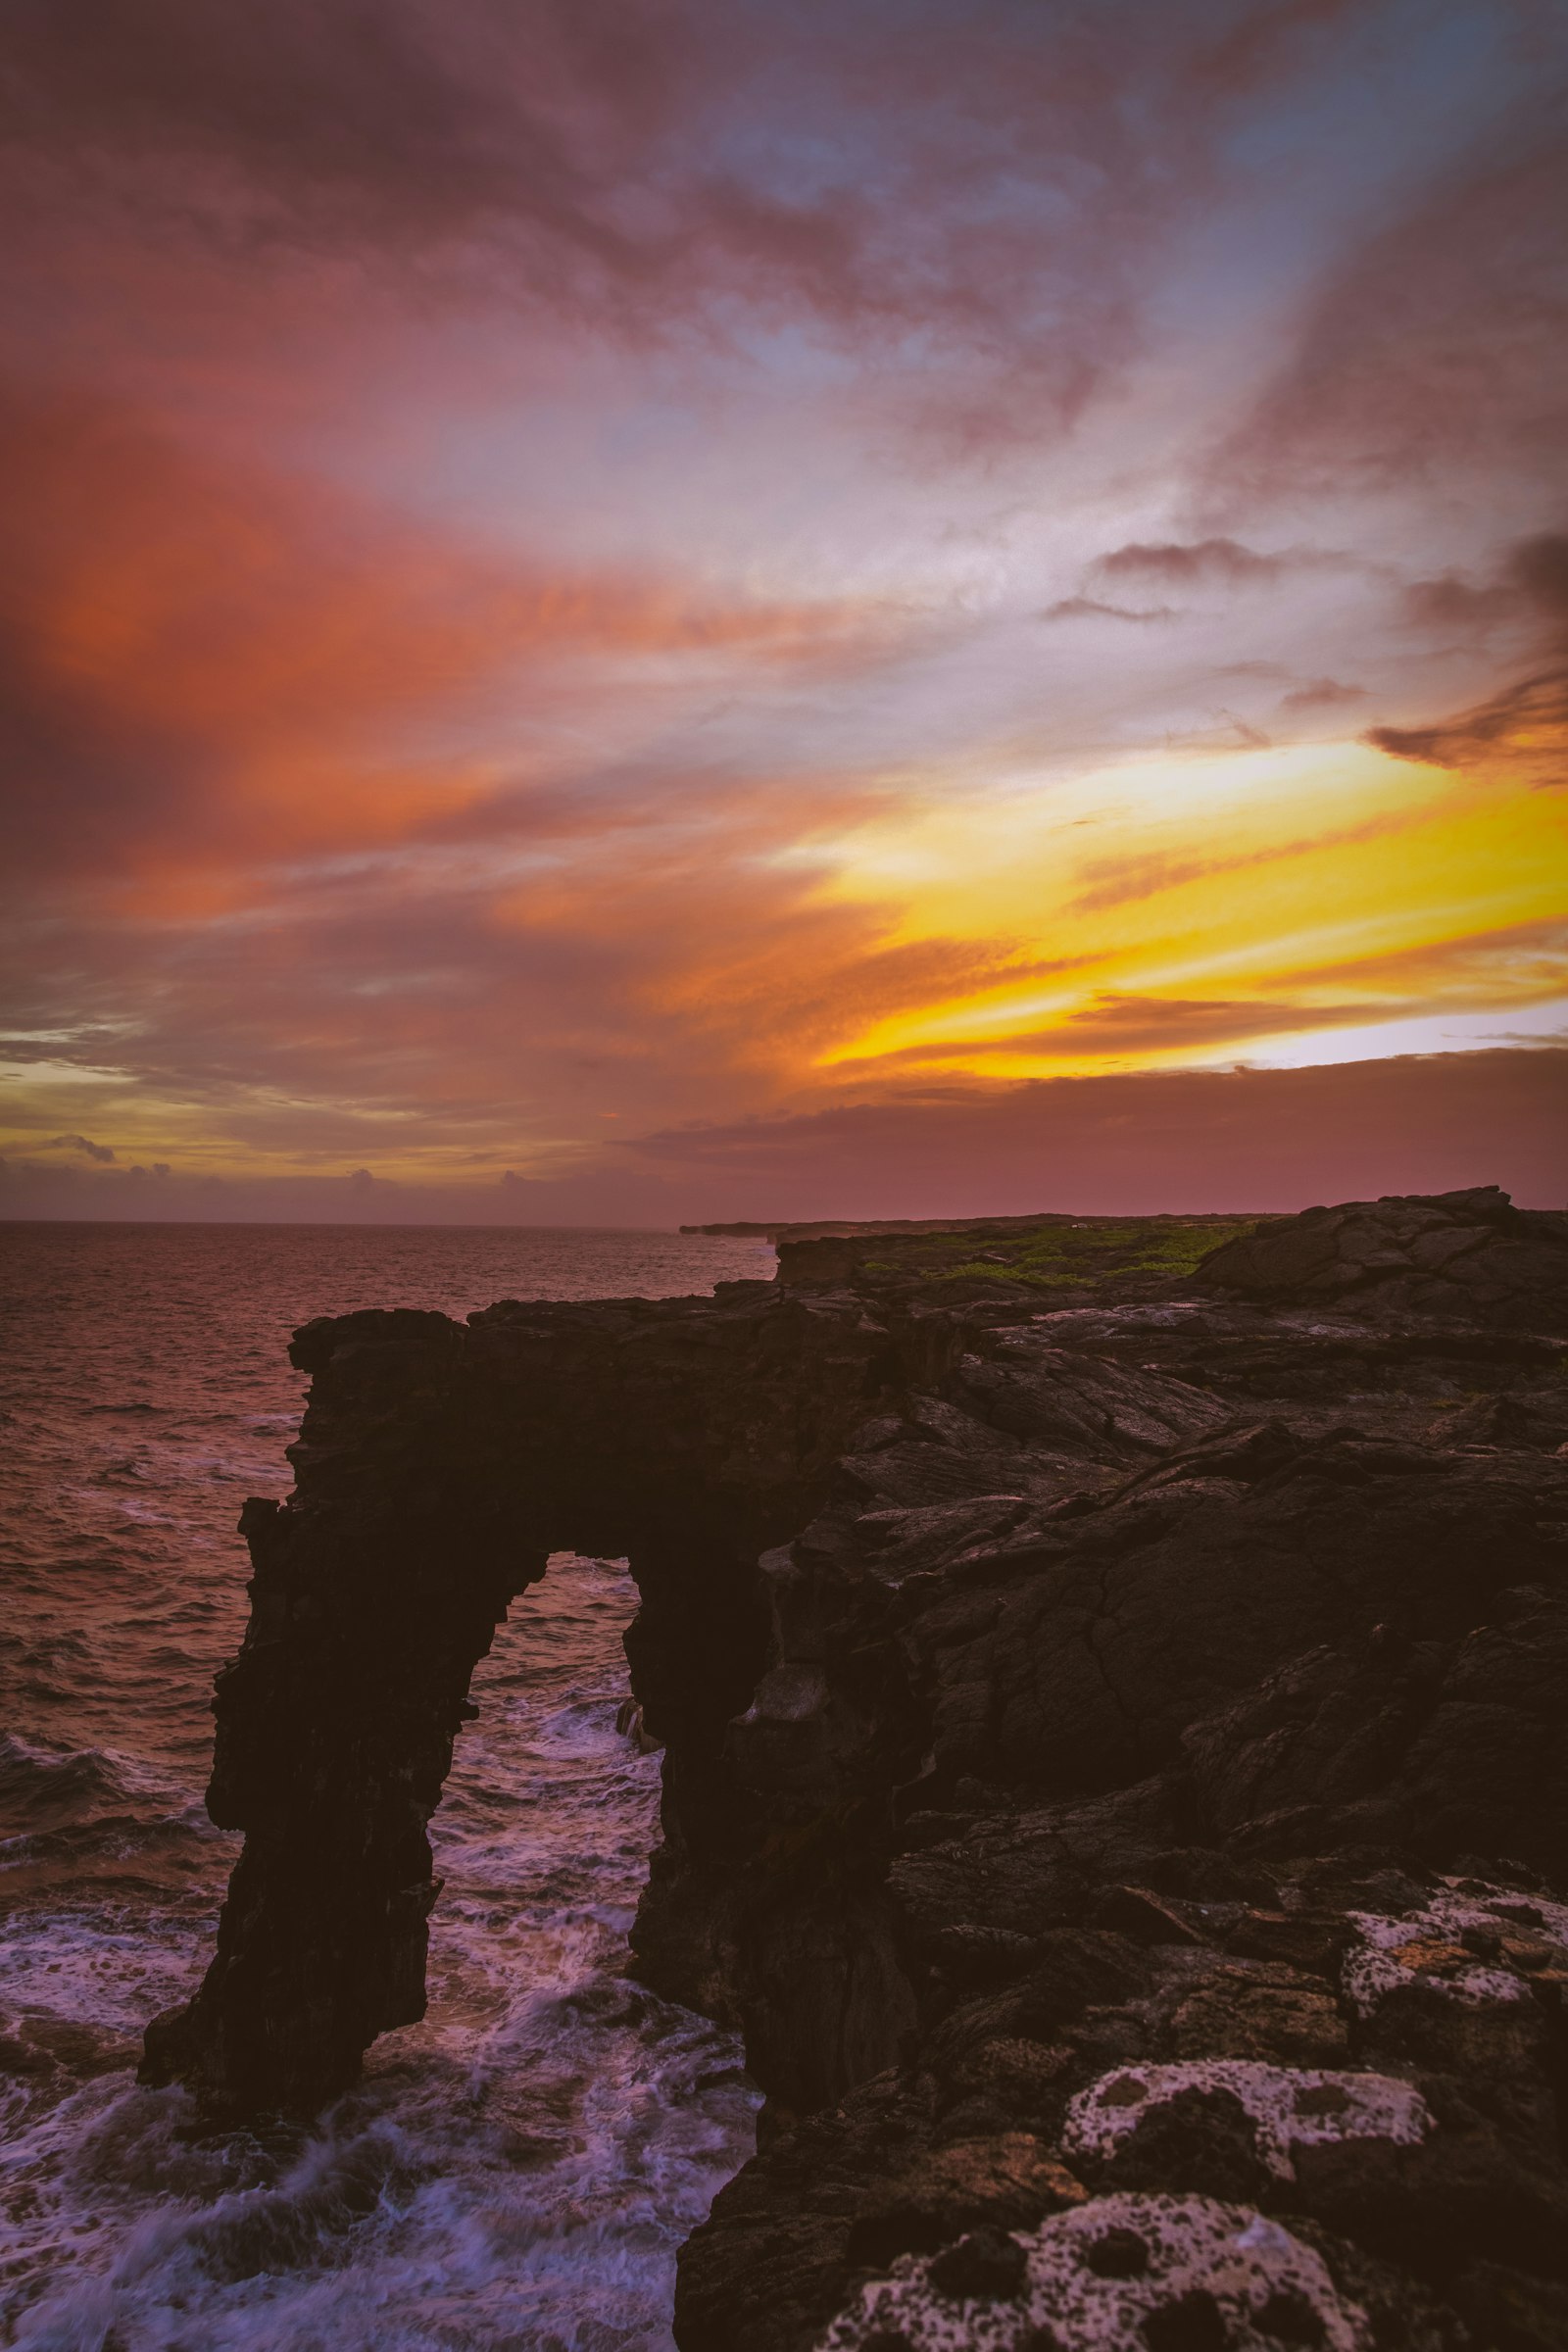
(515, 2174)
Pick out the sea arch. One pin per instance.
(439, 1465)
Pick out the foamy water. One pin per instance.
(517, 2172)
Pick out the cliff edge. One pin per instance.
(1112, 1676)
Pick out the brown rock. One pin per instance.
(1274, 2013)
(1143, 1918)
(1006, 2183)
(1042, 1686)
(1305, 1940)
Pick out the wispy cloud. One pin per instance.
(575, 568)
(1089, 607)
(1322, 694)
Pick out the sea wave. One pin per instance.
(516, 2173)
(52, 1789)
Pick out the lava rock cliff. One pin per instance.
(1116, 1774)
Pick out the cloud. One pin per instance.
(1192, 1140)
(1122, 880)
(1322, 694)
(1187, 1140)
(1529, 584)
(1521, 729)
(1086, 608)
(1488, 971)
(1514, 964)
(1142, 1024)
(204, 660)
(1198, 564)
(1244, 52)
(524, 521)
(1539, 566)
(399, 121)
(1524, 729)
(879, 176)
(1449, 603)
(1434, 353)
(102, 1153)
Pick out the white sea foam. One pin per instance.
(518, 2171)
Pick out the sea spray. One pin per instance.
(518, 2171)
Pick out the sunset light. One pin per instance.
(862, 573)
(784, 1175)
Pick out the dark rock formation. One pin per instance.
(1116, 1772)
(438, 1467)
(1468, 1254)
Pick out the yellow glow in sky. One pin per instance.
(1317, 883)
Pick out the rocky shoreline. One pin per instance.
(1115, 1762)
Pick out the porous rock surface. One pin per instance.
(1159, 2274)
(1470, 1255)
(1115, 1767)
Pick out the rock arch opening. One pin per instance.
(438, 1468)
(1047, 1689)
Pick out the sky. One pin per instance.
(618, 610)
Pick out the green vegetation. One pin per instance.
(1068, 1256)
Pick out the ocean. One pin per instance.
(515, 2174)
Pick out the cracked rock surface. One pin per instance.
(1115, 1766)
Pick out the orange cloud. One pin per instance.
(1121, 881)
(527, 524)
(1518, 734)
(211, 661)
